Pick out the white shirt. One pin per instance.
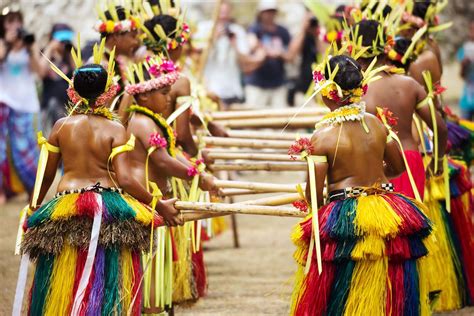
(17, 83)
(222, 73)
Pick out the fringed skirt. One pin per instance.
(370, 245)
(87, 247)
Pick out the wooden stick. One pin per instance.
(210, 42)
(266, 135)
(275, 200)
(267, 166)
(234, 192)
(237, 208)
(255, 186)
(243, 142)
(278, 122)
(249, 156)
(229, 115)
(272, 151)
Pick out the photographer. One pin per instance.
(54, 96)
(19, 104)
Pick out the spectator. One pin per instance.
(466, 56)
(266, 85)
(54, 96)
(19, 104)
(306, 45)
(229, 56)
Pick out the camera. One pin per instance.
(27, 37)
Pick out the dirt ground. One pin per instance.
(255, 279)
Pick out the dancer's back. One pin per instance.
(355, 157)
(85, 142)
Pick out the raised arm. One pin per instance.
(321, 170)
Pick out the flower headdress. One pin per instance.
(163, 72)
(156, 39)
(79, 103)
(385, 31)
(323, 76)
(105, 25)
(431, 20)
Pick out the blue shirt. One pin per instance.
(271, 74)
(467, 98)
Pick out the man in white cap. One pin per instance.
(266, 85)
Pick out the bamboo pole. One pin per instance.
(266, 166)
(210, 42)
(278, 122)
(249, 156)
(244, 142)
(266, 135)
(234, 192)
(237, 208)
(250, 151)
(249, 114)
(256, 186)
(281, 199)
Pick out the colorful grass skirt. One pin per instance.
(82, 271)
(370, 245)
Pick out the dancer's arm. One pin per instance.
(321, 170)
(183, 128)
(393, 158)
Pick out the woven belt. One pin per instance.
(352, 192)
(94, 188)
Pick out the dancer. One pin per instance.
(402, 96)
(370, 237)
(118, 25)
(87, 240)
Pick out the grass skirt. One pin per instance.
(58, 237)
(370, 246)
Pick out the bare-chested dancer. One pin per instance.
(402, 96)
(95, 223)
(361, 217)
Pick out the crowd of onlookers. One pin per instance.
(244, 65)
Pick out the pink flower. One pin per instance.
(154, 70)
(193, 171)
(167, 66)
(105, 97)
(157, 141)
(318, 76)
(73, 96)
(199, 162)
(301, 145)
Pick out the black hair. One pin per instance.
(421, 7)
(11, 15)
(401, 46)
(90, 81)
(368, 29)
(167, 22)
(349, 75)
(120, 14)
(385, 11)
(146, 74)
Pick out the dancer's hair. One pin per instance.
(90, 81)
(368, 29)
(421, 7)
(167, 22)
(122, 16)
(401, 46)
(349, 75)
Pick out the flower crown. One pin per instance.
(330, 89)
(431, 20)
(178, 37)
(105, 25)
(163, 73)
(111, 87)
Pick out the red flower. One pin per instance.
(391, 119)
(301, 145)
(365, 88)
(438, 88)
(302, 205)
(334, 96)
(118, 27)
(102, 28)
(193, 171)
